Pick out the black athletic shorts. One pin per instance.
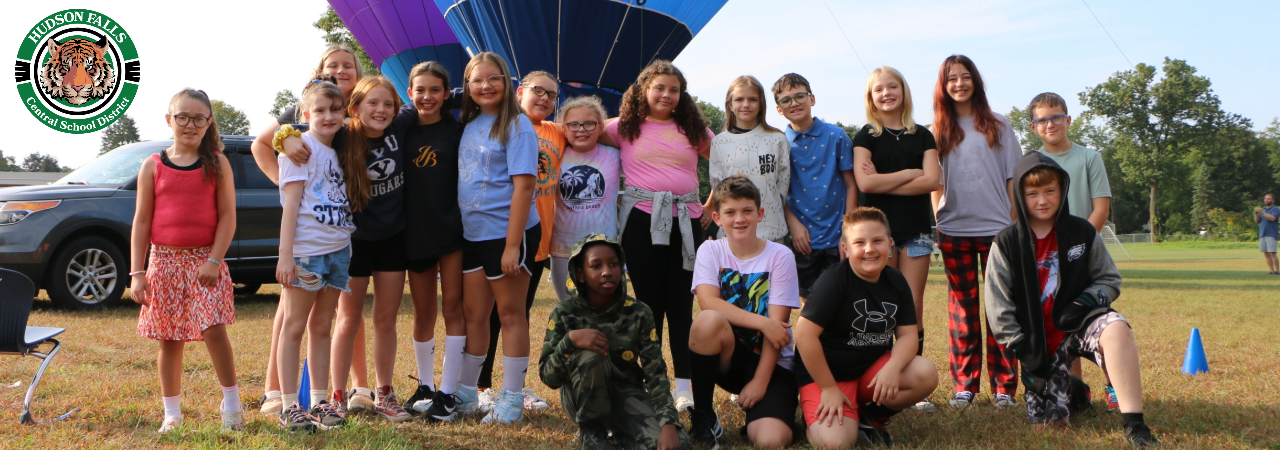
(781, 396)
(487, 255)
(382, 255)
(810, 267)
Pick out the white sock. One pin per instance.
(470, 369)
(682, 384)
(289, 399)
(172, 406)
(319, 395)
(452, 363)
(231, 398)
(425, 354)
(513, 372)
(273, 394)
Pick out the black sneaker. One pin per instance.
(706, 428)
(593, 436)
(328, 414)
(873, 435)
(1140, 436)
(444, 407)
(294, 418)
(1079, 396)
(424, 392)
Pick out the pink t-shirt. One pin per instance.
(659, 160)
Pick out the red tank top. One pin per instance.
(186, 207)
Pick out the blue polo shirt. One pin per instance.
(1268, 228)
(818, 195)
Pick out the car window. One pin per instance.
(253, 176)
(116, 167)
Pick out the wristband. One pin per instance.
(137, 273)
(214, 261)
(283, 133)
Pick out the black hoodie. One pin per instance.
(1087, 279)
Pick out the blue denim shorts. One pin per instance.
(326, 270)
(915, 246)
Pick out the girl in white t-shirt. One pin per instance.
(315, 251)
(750, 147)
(588, 190)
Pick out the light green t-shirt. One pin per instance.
(1088, 178)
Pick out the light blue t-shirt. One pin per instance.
(485, 168)
(817, 196)
(1267, 227)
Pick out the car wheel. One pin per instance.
(87, 273)
(247, 288)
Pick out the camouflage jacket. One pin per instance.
(633, 342)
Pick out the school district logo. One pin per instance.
(581, 187)
(77, 71)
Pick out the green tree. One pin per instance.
(8, 164)
(231, 121)
(336, 33)
(1200, 200)
(124, 131)
(1155, 122)
(715, 121)
(284, 98)
(1271, 140)
(851, 130)
(40, 162)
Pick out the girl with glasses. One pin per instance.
(587, 200)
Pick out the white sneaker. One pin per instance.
(962, 399)
(232, 421)
(487, 399)
(508, 408)
(468, 400)
(1003, 401)
(924, 406)
(532, 401)
(361, 399)
(421, 406)
(684, 400)
(170, 423)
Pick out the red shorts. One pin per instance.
(856, 390)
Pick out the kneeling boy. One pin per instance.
(746, 287)
(1050, 285)
(590, 353)
(856, 342)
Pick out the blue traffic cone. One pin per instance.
(304, 387)
(1195, 362)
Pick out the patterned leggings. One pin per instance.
(963, 258)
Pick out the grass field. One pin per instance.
(109, 372)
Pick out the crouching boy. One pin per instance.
(1050, 285)
(856, 342)
(595, 345)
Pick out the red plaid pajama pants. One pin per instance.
(965, 258)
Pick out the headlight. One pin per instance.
(14, 212)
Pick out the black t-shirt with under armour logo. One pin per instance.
(858, 318)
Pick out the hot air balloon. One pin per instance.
(400, 34)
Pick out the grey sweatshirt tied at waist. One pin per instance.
(660, 219)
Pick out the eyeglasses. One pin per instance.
(492, 80)
(583, 126)
(799, 99)
(540, 91)
(1044, 122)
(196, 121)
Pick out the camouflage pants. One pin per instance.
(598, 392)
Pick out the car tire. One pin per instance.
(89, 272)
(247, 288)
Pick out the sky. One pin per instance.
(243, 52)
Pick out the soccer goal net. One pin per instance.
(1113, 243)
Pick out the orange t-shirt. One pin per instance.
(551, 145)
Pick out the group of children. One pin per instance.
(376, 192)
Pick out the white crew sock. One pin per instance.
(231, 399)
(172, 406)
(273, 394)
(470, 369)
(319, 395)
(289, 400)
(425, 355)
(682, 384)
(452, 363)
(513, 372)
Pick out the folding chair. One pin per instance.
(18, 339)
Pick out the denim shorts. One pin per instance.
(326, 270)
(915, 246)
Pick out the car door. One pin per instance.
(257, 222)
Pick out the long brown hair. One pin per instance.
(357, 142)
(945, 129)
(211, 145)
(731, 120)
(510, 108)
(635, 107)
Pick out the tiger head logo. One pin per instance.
(77, 71)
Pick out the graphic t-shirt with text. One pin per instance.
(858, 317)
(588, 200)
(751, 285)
(324, 221)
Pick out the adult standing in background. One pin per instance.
(1268, 231)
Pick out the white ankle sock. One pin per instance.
(231, 398)
(319, 395)
(289, 399)
(425, 355)
(172, 406)
(273, 394)
(682, 384)
(452, 363)
(470, 369)
(513, 372)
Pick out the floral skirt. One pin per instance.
(178, 307)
